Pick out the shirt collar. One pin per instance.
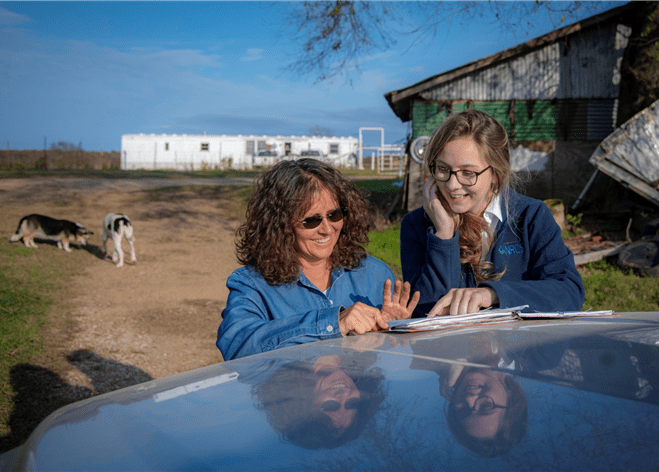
(493, 214)
(336, 273)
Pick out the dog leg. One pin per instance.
(131, 241)
(105, 244)
(117, 245)
(64, 244)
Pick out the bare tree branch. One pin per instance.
(317, 130)
(335, 37)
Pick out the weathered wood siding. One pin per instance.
(585, 65)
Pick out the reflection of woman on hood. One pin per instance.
(321, 404)
(486, 410)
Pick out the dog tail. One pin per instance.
(17, 237)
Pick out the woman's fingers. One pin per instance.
(414, 302)
(360, 319)
(398, 306)
(464, 300)
(397, 289)
(386, 291)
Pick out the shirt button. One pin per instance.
(331, 302)
(330, 328)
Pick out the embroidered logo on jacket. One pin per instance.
(513, 248)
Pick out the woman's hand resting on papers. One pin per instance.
(460, 301)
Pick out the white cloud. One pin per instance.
(104, 92)
(10, 18)
(253, 54)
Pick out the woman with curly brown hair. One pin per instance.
(306, 275)
(477, 243)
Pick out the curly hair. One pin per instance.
(492, 141)
(287, 397)
(283, 194)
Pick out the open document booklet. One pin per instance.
(498, 315)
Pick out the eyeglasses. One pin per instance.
(333, 405)
(465, 177)
(334, 216)
(484, 408)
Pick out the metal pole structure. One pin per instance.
(382, 149)
(360, 159)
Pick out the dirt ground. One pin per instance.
(154, 318)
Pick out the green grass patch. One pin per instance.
(25, 284)
(610, 288)
(607, 286)
(379, 185)
(385, 245)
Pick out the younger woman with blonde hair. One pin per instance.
(477, 243)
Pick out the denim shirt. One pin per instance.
(260, 317)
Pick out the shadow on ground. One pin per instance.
(38, 392)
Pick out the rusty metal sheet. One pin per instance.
(630, 154)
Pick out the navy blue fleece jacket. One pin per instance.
(539, 268)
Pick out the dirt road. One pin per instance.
(150, 319)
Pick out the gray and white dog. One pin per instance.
(45, 227)
(116, 227)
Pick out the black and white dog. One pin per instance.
(117, 227)
(45, 227)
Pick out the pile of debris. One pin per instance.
(590, 248)
(630, 155)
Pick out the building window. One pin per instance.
(204, 146)
(166, 146)
(334, 148)
(260, 145)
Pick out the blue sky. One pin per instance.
(88, 72)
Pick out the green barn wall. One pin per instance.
(569, 130)
(534, 120)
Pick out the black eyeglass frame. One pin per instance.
(459, 174)
(334, 216)
(467, 410)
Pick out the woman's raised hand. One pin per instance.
(361, 318)
(399, 306)
(441, 220)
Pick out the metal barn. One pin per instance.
(556, 95)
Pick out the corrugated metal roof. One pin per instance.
(631, 154)
(579, 61)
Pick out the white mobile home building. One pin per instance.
(195, 152)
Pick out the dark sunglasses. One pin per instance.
(332, 405)
(314, 221)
